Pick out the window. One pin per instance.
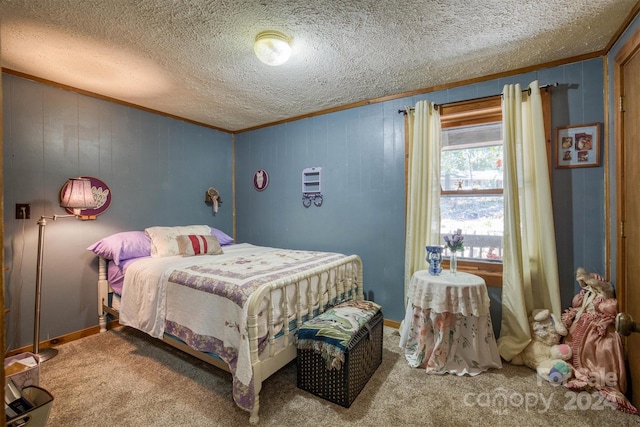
(472, 200)
(471, 180)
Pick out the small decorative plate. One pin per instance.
(260, 180)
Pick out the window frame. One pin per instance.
(476, 112)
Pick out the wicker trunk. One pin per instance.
(362, 358)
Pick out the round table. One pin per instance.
(447, 326)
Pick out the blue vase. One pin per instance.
(434, 258)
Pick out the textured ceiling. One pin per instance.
(194, 59)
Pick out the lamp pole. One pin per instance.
(76, 194)
(46, 353)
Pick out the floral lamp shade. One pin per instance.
(85, 196)
(77, 195)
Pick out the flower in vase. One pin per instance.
(455, 243)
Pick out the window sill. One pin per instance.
(490, 272)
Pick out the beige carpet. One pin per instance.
(124, 378)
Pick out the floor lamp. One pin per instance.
(76, 195)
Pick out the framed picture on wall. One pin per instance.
(578, 146)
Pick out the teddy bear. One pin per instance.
(544, 353)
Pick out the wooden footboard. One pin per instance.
(343, 284)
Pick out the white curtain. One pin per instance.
(423, 192)
(530, 270)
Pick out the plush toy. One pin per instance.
(544, 353)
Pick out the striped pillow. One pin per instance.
(163, 239)
(193, 244)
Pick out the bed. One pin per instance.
(235, 306)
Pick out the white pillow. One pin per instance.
(163, 239)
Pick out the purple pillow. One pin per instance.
(115, 274)
(223, 238)
(122, 246)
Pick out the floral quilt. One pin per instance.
(202, 300)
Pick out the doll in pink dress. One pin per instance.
(598, 356)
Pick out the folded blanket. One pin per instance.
(329, 333)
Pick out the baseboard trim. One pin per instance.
(63, 339)
(392, 323)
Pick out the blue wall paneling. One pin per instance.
(361, 151)
(158, 169)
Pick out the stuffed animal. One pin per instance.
(544, 353)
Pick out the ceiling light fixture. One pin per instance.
(272, 47)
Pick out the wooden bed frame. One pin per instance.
(275, 358)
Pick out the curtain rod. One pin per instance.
(436, 106)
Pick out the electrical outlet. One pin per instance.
(23, 211)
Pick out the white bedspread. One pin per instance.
(212, 302)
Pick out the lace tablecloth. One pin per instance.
(447, 326)
(463, 293)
